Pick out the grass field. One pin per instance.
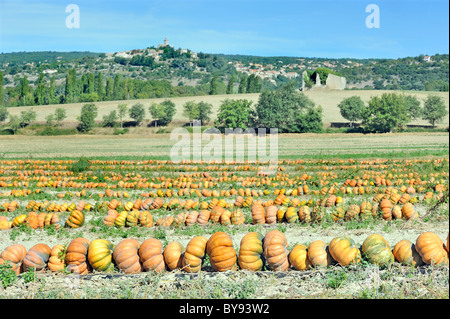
(327, 99)
(290, 146)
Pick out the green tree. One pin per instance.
(242, 84)
(385, 113)
(99, 86)
(200, 111)
(87, 117)
(110, 120)
(50, 119)
(137, 113)
(230, 85)
(50, 94)
(413, 107)
(190, 110)
(163, 112)
(213, 85)
(60, 115)
(39, 93)
(14, 123)
(90, 83)
(24, 91)
(253, 84)
(118, 87)
(3, 113)
(109, 91)
(2, 90)
(122, 112)
(26, 117)
(288, 110)
(204, 112)
(68, 91)
(434, 109)
(352, 109)
(234, 114)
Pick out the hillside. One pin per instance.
(41, 78)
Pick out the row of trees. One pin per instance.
(391, 111)
(286, 109)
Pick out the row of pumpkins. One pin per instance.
(256, 253)
(133, 214)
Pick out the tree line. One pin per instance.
(286, 109)
(391, 111)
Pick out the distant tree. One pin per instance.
(109, 91)
(190, 110)
(204, 112)
(213, 85)
(122, 112)
(242, 84)
(3, 113)
(50, 119)
(110, 120)
(87, 117)
(230, 85)
(60, 115)
(434, 109)
(118, 88)
(40, 90)
(234, 114)
(288, 110)
(50, 97)
(99, 86)
(253, 84)
(385, 113)
(91, 83)
(14, 123)
(163, 112)
(24, 91)
(197, 111)
(2, 90)
(27, 117)
(68, 89)
(352, 109)
(137, 112)
(413, 107)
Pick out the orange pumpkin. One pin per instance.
(194, 254)
(75, 220)
(271, 214)
(173, 255)
(126, 256)
(76, 256)
(431, 248)
(344, 251)
(222, 255)
(275, 250)
(251, 253)
(318, 254)
(14, 254)
(405, 253)
(258, 214)
(57, 261)
(151, 255)
(298, 257)
(37, 257)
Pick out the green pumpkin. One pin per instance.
(377, 251)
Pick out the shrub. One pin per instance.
(87, 117)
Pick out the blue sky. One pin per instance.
(307, 28)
